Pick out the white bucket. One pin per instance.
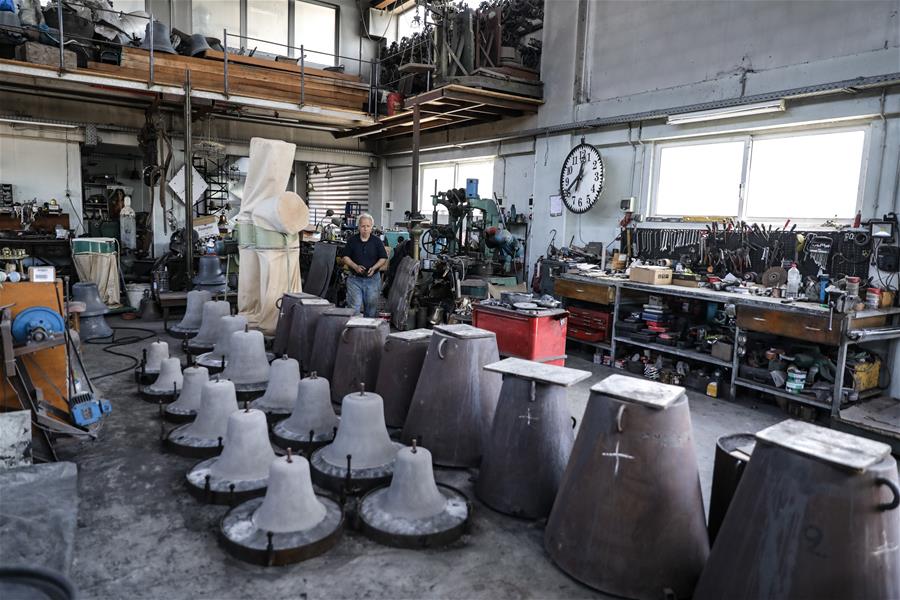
(135, 291)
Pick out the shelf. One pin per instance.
(602, 345)
(692, 354)
(769, 389)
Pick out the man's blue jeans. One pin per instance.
(363, 293)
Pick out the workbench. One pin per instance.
(806, 321)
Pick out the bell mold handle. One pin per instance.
(440, 347)
(894, 490)
(344, 334)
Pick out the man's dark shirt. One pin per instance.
(367, 253)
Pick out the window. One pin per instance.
(315, 27)
(268, 20)
(128, 6)
(454, 175)
(213, 17)
(813, 176)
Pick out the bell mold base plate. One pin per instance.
(197, 349)
(297, 442)
(150, 395)
(441, 529)
(273, 414)
(205, 487)
(182, 333)
(243, 540)
(332, 478)
(145, 377)
(213, 365)
(176, 415)
(177, 442)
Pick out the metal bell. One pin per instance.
(398, 372)
(210, 275)
(206, 336)
(285, 320)
(825, 513)
(312, 423)
(93, 328)
(247, 366)
(358, 356)
(197, 44)
(290, 524)
(190, 324)
(732, 455)
(87, 292)
(185, 408)
(303, 328)
(148, 310)
(242, 470)
(217, 359)
(531, 438)
(631, 484)
(161, 40)
(414, 511)
(453, 406)
(205, 436)
(328, 335)
(167, 384)
(148, 370)
(281, 391)
(362, 454)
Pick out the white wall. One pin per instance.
(40, 163)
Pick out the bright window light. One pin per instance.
(452, 176)
(808, 176)
(314, 29)
(213, 17)
(267, 20)
(699, 179)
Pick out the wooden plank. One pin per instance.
(218, 56)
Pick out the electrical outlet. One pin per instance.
(627, 204)
(388, 206)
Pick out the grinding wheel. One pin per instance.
(774, 277)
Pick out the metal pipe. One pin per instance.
(188, 181)
(302, 76)
(150, 71)
(62, 47)
(874, 334)
(225, 67)
(416, 138)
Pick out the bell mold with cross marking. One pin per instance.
(205, 437)
(453, 406)
(292, 523)
(190, 324)
(285, 319)
(167, 384)
(241, 472)
(362, 444)
(281, 392)
(247, 365)
(531, 438)
(732, 455)
(151, 360)
(312, 423)
(328, 335)
(358, 356)
(631, 484)
(185, 407)
(217, 359)
(205, 340)
(414, 511)
(398, 372)
(825, 513)
(303, 329)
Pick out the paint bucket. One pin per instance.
(135, 291)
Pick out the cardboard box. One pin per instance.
(651, 274)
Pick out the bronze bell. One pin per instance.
(628, 519)
(815, 515)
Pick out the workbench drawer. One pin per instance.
(811, 328)
(589, 292)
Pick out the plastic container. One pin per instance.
(853, 286)
(793, 282)
(873, 298)
(540, 337)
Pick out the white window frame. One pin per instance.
(456, 164)
(743, 190)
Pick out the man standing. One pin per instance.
(364, 255)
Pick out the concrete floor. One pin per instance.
(140, 535)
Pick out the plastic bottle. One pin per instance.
(793, 281)
(128, 225)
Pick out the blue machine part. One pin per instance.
(87, 410)
(36, 324)
(471, 188)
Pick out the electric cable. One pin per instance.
(116, 343)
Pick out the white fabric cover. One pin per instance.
(268, 172)
(102, 269)
(284, 213)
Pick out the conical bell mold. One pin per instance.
(312, 422)
(303, 328)
(219, 355)
(157, 352)
(633, 469)
(281, 391)
(247, 364)
(531, 438)
(167, 384)
(816, 515)
(248, 453)
(188, 403)
(285, 320)
(398, 372)
(358, 356)
(290, 503)
(732, 455)
(413, 511)
(453, 406)
(193, 314)
(209, 325)
(328, 335)
(205, 437)
(87, 292)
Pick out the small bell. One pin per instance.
(206, 336)
(148, 370)
(185, 408)
(167, 384)
(205, 436)
(312, 422)
(217, 359)
(190, 324)
(281, 391)
(247, 365)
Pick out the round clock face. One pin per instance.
(581, 178)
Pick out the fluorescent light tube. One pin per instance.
(37, 123)
(728, 112)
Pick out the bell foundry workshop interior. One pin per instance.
(464, 299)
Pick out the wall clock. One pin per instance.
(581, 178)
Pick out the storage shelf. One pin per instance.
(769, 389)
(602, 345)
(692, 354)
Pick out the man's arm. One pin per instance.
(376, 267)
(353, 266)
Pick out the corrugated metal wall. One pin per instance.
(346, 184)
